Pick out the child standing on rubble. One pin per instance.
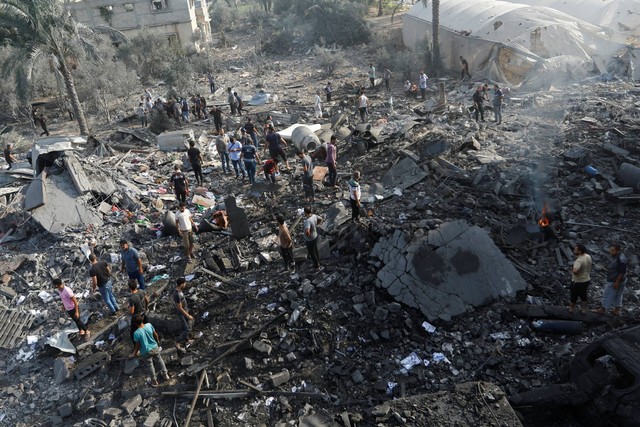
(180, 184)
(71, 306)
(146, 341)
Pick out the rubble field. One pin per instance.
(434, 309)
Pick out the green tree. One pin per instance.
(436, 58)
(39, 28)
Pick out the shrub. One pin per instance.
(328, 60)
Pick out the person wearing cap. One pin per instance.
(131, 263)
(184, 221)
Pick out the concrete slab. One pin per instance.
(455, 266)
(238, 219)
(403, 174)
(35, 195)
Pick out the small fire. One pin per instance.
(544, 219)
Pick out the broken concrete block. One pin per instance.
(262, 347)
(238, 219)
(91, 364)
(280, 378)
(380, 315)
(65, 410)
(152, 419)
(61, 371)
(470, 143)
(457, 265)
(7, 292)
(357, 377)
(132, 404)
(248, 363)
(223, 378)
(128, 421)
(403, 174)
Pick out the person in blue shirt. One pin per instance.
(146, 340)
(131, 263)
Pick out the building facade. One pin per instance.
(182, 21)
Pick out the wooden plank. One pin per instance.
(559, 257)
(219, 277)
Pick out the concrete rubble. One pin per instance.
(423, 311)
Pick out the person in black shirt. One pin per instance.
(138, 302)
(8, 156)
(195, 158)
(274, 144)
(100, 274)
(465, 69)
(180, 184)
(217, 117)
(478, 99)
(182, 310)
(252, 131)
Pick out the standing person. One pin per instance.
(197, 104)
(182, 310)
(267, 124)
(203, 106)
(311, 222)
(478, 100)
(363, 106)
(217, 117)
(270, 169)
(184, 221)
(250, 157)
(580, 278)
(286, 243)
(498, 98)
(231, 99)
(372, 75)
(422, 81)
(70, 305)
(235, 152)
(195, 158)
(252, 131)
(138, 304)
(330, 160)
(465, 69)
(8, 155)
(180, 184)
(212, 82)
(146, 341)
(222, 141)
(274, 144)
(354, 196)
(328, 91)
(317, 106)
(100, 275)
(185, 110)
(43, 124)
(387, 78)
(485, 92)
(239, 104)
(307, 176)
(131, 263)
(616, 281)
(176, 107)
(141, 111)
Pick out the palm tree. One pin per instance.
(436, 59)
(36, 29)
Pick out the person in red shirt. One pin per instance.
(270, 169)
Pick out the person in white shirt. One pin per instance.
(354, 196)
(363, 105)
(184, 221)
(317, 107)
(235, 152)
(423, 84)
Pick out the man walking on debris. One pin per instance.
(222, 141)
(217, 117)
(331, 161)
(195, 158)
(239, 104)
(100, 275)
(498, 97)
(372, 75)
(146, 341)
(252, 131)
(231, 99)
(387, 78)
(138, 304)
(363, 106)
(616, 281)
(465, 69)
(141, 111)
(286, 243)
(317, 106)
(8, 155)
(180, 184)
(274, 144)
(182, 310)
(212, 82)
(250, 157)
(184, 221)
(354, 196)
(131, 263)
(580, 278)
(478, 100)
(307, 176)
(310, 234)
(71, 306)
(43, 124)
(422, 80)
(235, 152)
(328, 91)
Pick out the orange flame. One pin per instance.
(544, 220)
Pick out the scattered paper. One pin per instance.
(428, 327)
(410, 361)
(45, 296)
